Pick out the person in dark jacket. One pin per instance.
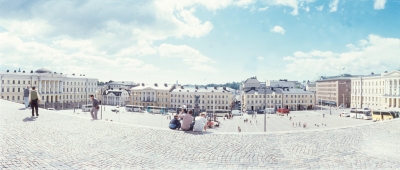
(95, 107)
(34, 99)
(175, 123)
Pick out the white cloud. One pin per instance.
(379, 4)
(260, 58)
(192, 58)
(307, 9)
(333, 5)
(278, 29)
(375, 54)
(290, 3)
(263, 9)
(319, 8)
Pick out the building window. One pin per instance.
(23, 82)
(18, 91)
(18, 97)
(13, 90)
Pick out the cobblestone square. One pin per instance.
(59, 140)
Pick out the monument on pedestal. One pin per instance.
(196, 105)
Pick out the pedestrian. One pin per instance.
(299, 123)
(239, 129)
(292, 124)
(26, 97)
(95, 107)
(290, 118)
(34, 99)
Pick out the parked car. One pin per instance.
(260, 111)
(114, 110)
(250, 112)
(237, 113)
(50, 109)
(345, 114)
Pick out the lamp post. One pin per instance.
(265, 106)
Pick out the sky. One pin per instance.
(201, 41)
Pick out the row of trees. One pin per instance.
(232, 85)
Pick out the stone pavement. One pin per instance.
(61, 141)
(274, 123)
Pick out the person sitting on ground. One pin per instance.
(216, 124)
(175, 123)
(186, 121)
(210, 124)
(200, 123)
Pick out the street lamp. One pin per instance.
(265, 106)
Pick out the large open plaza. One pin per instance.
(62, 140)
(315, 120)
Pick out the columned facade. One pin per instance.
(56, 90)
(377, 91)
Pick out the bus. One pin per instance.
(87, 108)
(134, 108)
(384, 115)
(219, 113)
(361, 113)
(156, 109)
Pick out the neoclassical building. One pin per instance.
(210, 98)
(376, 91)
(57, 90)
(151, 94)
(116, 97)
(256, 95)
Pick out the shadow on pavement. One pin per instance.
(23, 109)
(29, 119)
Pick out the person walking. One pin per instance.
(34, 99)
(95, 107)
(26, 97)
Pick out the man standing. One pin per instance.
(26, 97)
(95, 107)
(34, 99)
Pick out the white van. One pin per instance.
(87, 108)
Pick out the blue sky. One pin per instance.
(201, 41)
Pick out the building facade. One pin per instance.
(151, 95)
(210, 98)
(282, 94)
(57, 90)
(334, 91)
(376, 91)
(116, 97)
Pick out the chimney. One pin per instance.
(8, 71)
(120, 88)
(182, 87)
(60, 73)
(372, 73)
(205, 87)
(165, 84)
(155, 84)
(73, 74)
(23, 71)
(15, 71)
(142, 84)
(215, 87)
(224, 88)
(197, 87)
(31, 71)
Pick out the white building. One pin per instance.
(283, 94)
(151, 95)
(116, 97)
(282, 83)
(57, 90)
(210, 98)
(374, 91)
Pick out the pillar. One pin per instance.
(45, 86)
(397, 87)
(54, 86)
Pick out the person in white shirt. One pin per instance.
(200, 123)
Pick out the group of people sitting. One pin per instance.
(198, 124)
